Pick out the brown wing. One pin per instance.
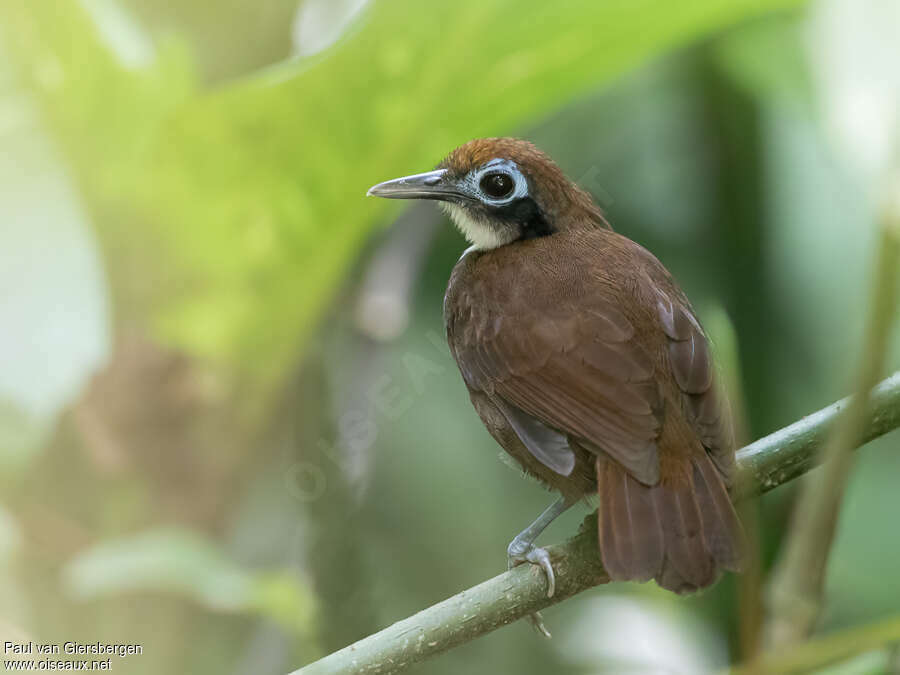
(693, 369)
(580, 371)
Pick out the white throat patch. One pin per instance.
(483, 236)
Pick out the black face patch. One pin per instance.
(525, 214)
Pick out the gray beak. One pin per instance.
(430, 185)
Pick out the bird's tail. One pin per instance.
(681, 533)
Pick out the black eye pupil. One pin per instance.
(497, 185)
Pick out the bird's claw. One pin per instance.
(537, 621)
(517, 553)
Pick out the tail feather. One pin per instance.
(721, 528)
(681, 534)
(683, 530)
(631, 534)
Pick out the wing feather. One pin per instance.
(692, 366)
(581, 372)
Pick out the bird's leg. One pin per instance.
(522, 549)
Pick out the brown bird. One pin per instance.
(586, 363)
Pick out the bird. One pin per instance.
(587, 364)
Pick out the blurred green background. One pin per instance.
(230, 430)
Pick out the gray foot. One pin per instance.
(520, 551)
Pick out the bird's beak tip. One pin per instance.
(380, 190)
(419, 186)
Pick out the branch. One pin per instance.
(764, 465)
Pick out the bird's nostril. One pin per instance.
(434, 180)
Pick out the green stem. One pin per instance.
(825, 650)
(795, 592)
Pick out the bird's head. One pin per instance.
(500, 190)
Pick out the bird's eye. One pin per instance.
(497, 185)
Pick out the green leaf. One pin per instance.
(182, 562)
(265, 181)
(253, 195)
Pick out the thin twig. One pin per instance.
(794, 596)
(765, 464)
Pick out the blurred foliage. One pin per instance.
(20, 436)
(766, 59)
(247, 188)
(32, 281)
(180, 561)
(224, 179)
(10, 537)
